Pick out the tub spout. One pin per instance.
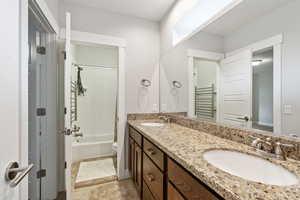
(78, 134)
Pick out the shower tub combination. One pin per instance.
(90, 146)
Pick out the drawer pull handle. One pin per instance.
(151, 151)
(150, 177)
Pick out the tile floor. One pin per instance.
(107, 188)
(116, 190)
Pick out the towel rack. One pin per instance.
(205, 102)
(73, 101)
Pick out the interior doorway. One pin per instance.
(42, 121)
(262, 89)
(86, 69)
(205, 83)
(94, 96)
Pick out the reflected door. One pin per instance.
(235, 90)
(68, 124)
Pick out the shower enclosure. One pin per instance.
(94, 100)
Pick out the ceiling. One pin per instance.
(245, 12)
(153, 10)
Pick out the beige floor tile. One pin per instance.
(117, 190)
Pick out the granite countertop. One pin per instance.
(187, 146)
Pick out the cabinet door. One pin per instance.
(131, 158)
(173, 194)
(138, 168)
(146, 193)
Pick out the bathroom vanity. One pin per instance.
(157, 176)
(166, 162)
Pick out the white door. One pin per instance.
(235, 90)
(12, 123)
(68, 136)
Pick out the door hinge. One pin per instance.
(65, 110)
(41, 111)
(65, 165)
(41, 173)
(65, 55)
(41, 50)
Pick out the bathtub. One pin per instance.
(90, 146)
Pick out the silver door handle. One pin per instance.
(15, 174)
(244, 118)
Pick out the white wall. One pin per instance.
(142, 51)
(283, 20)
(174, 61)
(53, 5)
(263, 95)
(205, 72)
(96, 109)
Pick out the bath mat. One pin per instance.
(95, 170)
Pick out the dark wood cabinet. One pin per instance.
(158, 177)
(190, 187)
(138, 168)
(153, 177)
(156, 155)
(131, 156)
(135, 161)
(173, 194)
(147, 195)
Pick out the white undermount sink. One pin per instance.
(250, 167)
(152, 124)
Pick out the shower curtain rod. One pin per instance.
(102, 66)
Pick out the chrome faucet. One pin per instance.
(279, 152)
(269, 148)
(165, 119)
(75, 129)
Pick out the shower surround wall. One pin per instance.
(96, 109)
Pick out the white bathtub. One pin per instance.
(90, 146)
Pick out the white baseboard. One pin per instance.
(264, 124)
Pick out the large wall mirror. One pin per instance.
(235, 72)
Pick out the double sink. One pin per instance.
(246, 166)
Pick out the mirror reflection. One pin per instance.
(228, 72)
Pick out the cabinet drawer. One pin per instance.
(154, 153)
(146, 193)
(186, 184)
(153, 178)
(136, 136)
(173, 194)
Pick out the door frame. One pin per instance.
(207, 55)
(120, 43)
(276, 43)
(23, 94)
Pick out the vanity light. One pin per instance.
(256, 62)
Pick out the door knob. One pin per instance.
(14, 174)
(244, 118)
